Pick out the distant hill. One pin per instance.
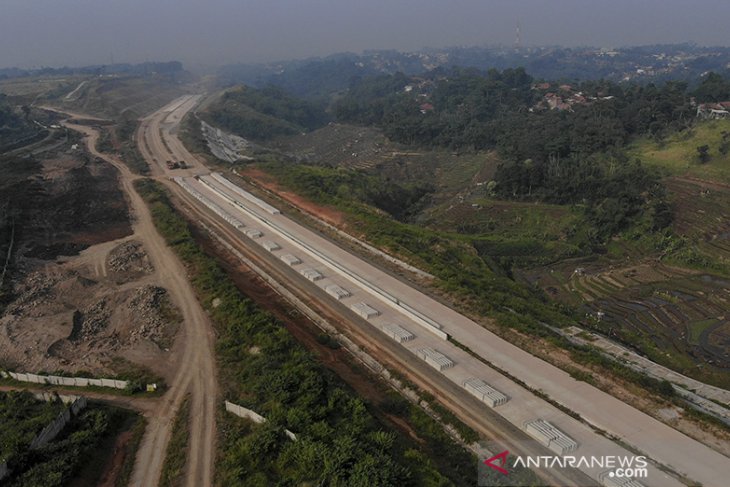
(317, 77)
(161, 68)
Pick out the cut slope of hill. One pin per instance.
(263, 114)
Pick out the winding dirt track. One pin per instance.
(197, 373)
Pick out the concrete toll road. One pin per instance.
(428, 320)
(197, 373)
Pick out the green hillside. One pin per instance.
(678, 153)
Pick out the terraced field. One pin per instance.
(702, 213)
(676, 317)
(482, 215)
(339, 145)
(366, 148)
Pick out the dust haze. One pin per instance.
(54, 33)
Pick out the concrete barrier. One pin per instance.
(243, 412)
(52, 396)
(36, 379)
(65, 381)
(52, 430)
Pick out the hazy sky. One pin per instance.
(79, 32)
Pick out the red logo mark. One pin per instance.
(502, 457)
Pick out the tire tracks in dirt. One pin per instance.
(197, 372)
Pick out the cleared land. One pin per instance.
(80, 293)
(196, 367)
(115, 96)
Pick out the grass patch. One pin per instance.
(177, 448)
(475, 269)
(23, 416)
(678, 153)
(129, 149)
(130, 453)
(697, 327)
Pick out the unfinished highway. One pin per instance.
(419, 326)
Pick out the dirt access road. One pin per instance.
(196, 374)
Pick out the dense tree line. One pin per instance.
(475, 110)
(614, 189)
(320, 77)
(568, 156)
(275, 102)
(147, 68)
(714, 88)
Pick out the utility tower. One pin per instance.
(518, 37)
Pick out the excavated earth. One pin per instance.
(81, 293)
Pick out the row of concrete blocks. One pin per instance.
(434, 358)
(273, 246)
(289, 259)
(484, 392)
(245, 194)
(65, 381)
(550, 436)
(476, 387)
(235, 222)
(336, 291)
